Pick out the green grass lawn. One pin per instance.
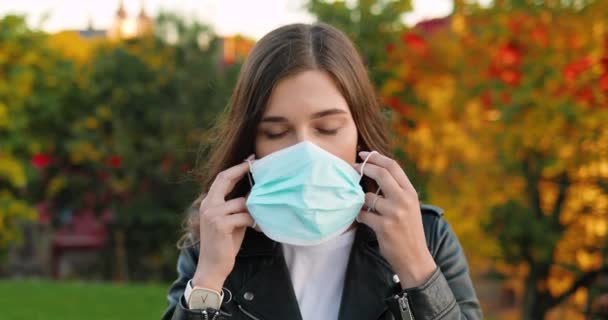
(48, 300)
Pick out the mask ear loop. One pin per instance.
(249, 172)
(365, 162)
(361, 173)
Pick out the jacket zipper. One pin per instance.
(404, 305)
(247, 313)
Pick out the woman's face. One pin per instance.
(307, 107)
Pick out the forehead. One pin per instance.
(305, 93)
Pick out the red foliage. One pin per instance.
(115, 161)
(511, 77)
(41, 160)
(415, 42)
(540, 36)
(508, 56)
(572, 70)
(603, 83)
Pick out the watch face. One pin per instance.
(203, 299)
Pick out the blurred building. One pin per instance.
(235, 48)
(124, 26)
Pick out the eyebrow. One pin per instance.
(315, 115)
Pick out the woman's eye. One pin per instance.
(328, 131)
(272, 135)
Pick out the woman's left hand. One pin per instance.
(396, 220)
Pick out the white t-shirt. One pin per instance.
(317, 274)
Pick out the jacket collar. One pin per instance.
(368, 281)
(257, 244)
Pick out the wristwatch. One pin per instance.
(203, 298)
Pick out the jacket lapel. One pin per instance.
(368, 281)
(265, 291)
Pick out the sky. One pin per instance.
(252, 18)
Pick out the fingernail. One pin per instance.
(251, 157)
(363, 153)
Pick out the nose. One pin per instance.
(303, 135)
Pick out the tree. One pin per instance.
(109, 127)
(31, 74)
(504, 110)
(130, 127)
(371, 24)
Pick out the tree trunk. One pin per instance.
(120, 253)
(534, 304)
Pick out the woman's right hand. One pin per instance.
(222, 229)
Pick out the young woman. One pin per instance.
(304, 214)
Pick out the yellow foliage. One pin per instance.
(104, 112)
(3, 115)
(12, 170)
(459, 25)
(55, 185)
(522, 91)
(559, 281)
(72, 46)
(587, 260)
(35, 147)
(91, 123)
(11, 211)
(391, 87)
(438, 92)
(580, 297)
(120, 185)
(24, 83)
(84, 151)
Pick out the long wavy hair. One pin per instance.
(281, 53)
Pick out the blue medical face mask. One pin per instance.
(304, 195)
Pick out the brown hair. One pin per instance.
(279, 54)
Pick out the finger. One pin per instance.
(389, 164)
(381, 206)
(385, 180)
(200, 202)
(229, 207)
(237, 220)
(370, 219)
(225, 182)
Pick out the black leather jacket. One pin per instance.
(261, 287)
